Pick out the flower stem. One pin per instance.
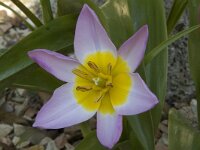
(85, 128)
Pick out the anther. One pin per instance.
(83, 88)
(93, 66)
(109, 68)
(81, 74)
(109, 85)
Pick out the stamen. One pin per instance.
(109, 68)
(93, 66)
(83, 88)
(109, 85)
(101, 96)
(82, 74)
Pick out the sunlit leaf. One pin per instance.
(193, 47)
(182, 136)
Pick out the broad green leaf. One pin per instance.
(46, 10)
(193, 47)
(65, 7)
(90, 142)
(56, 35)
(182, 136)
(27, 12)
(175, 13)
(74, 6)
(152, 13)
(128, 16)
(126, 145)
(119, 21)
(158, 49)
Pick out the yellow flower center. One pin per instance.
(98, 82)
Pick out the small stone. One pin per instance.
(45, 140)
(193, 105)
(165, 138)
(1, 148)
(30, 113)
(2, 101)
(163, 128)
(160, 146)
(36, 147)
(6, 140)
(21, 91)
(5, 27)
(5, 129)
(20, 108)
(15, 140)
(8, 107)
(22, 144)
(18, 129)
(60, 141)
(165, 122)
(69, 146)
(51, 146)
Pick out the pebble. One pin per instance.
(30, 113)
(60, 141)
(163, 128)
(51, 146)
(15, 140)
(21, 145)
(36, 147)
(69, 146)
(5, 129)
(45, 140)
(18, 129)
(165, 138)
(6, 140)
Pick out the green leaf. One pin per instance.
(158, 49)
(55, 36)
(119, 21)
(90, 142)
(65, 7)
(46, 10)
(27, 12)
(126, 17)
(182, 136)
(193, 47)
(175, 13)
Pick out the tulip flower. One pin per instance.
(101, 80)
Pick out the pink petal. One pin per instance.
(57, 64)
(109, 128)
(140, 98)
(90, 36)
(133, 49)
(62, 110)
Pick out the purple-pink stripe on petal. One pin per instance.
(57, 64)
(109, 128)
(90, 36)
(133, 49)
(62, 110)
